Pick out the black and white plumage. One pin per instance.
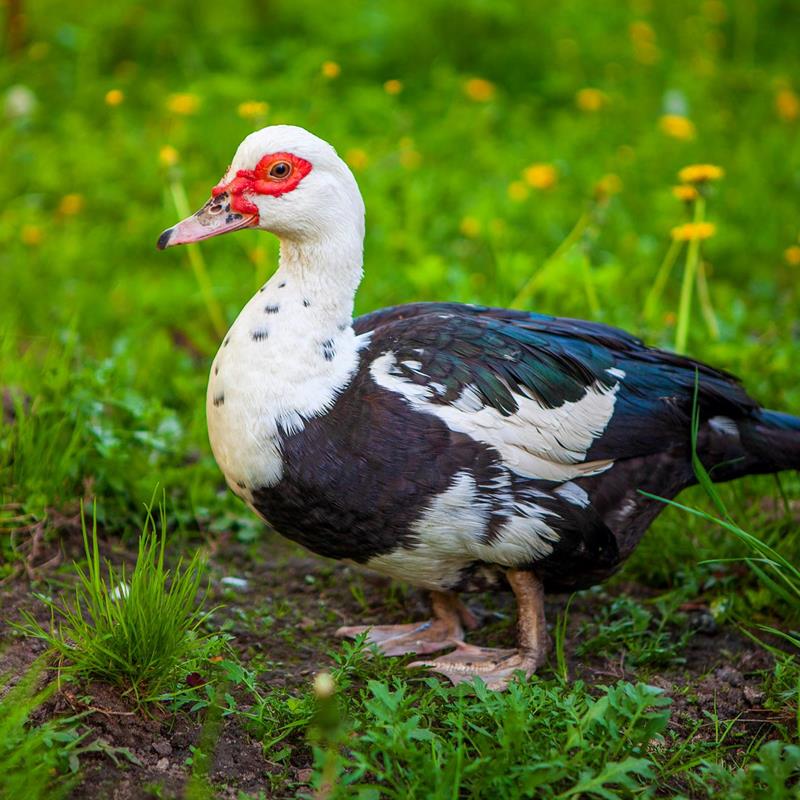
(454, 447)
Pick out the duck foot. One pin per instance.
(494, 667)
(443, 631)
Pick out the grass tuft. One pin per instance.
(136, 632)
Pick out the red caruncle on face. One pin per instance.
(275, 175)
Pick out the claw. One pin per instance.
(496, 668)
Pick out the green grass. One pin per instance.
(105, 344)
(381, 734)
(637, 632)
(141, 632)
(34, 760)
(111, 340)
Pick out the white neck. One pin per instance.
(324, 275)
(287, 357)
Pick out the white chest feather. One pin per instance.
(283, 362)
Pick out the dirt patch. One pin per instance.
(282, 606)
(162, 748)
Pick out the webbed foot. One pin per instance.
(494, 667)
(443, 631)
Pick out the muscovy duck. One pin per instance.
(455, 447)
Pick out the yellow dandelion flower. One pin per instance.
(694, 230)
(31, 235)
(643, 38)
(787, 104)
(479, 89)
(356, 158)
(715, 11)
(114, 97)
(590, 99)
(677, 126)
(252, 109)
(330, 70)
(608, 185)
(700, 173)
(70, 205)
(470, 227)
(38, 50)
(168, 156)
(183, 103)
(393, 87)
(792, 255)
(641, 31)
(410, 158)
(540, 176)
(685, 192)
(518, 191)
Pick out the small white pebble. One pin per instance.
(119, 591)
(236, 583)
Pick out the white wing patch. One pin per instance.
(535, 441)
(451, 534)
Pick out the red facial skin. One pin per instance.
(259, 181)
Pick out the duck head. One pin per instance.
(282, 179)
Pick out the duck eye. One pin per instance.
(280, 170)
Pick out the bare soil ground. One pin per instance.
(284, 621)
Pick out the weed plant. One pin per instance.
(141, 631)
(385, 734)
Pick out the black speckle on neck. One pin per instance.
(306, 303)
(259, 334)
(328, 350)
(227, 341)
(219, 399)
(216, 369)
(272, 309)
(281, 284)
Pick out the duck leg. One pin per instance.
(446, 629)
(497, 667)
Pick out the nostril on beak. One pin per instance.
(163, 240)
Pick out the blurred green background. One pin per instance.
(481, 133)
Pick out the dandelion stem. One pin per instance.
(524, 295)
(689, 275)
(198, 263)
(664, 271)
(704, 296)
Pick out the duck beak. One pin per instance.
(214, 218)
